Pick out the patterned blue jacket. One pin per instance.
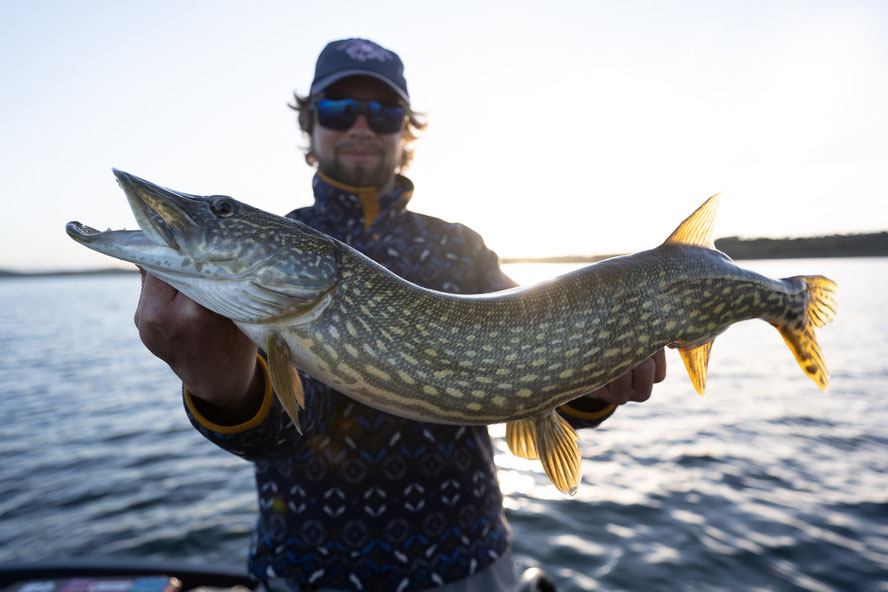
(363, 499)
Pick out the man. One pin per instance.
(361, 499)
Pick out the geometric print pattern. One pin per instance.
(364, 500)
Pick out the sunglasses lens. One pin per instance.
(384, 120)
(342, 114)
(338, 115)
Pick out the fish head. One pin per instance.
(240, 261)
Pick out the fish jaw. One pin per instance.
(134, 246)
(241, 262)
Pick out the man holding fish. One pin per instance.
(354, 498)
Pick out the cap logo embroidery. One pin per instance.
(363, 51)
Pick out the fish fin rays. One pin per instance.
(559, 453)
(820, 311)
(697, 229)
(520, 438)
(554, 441)
(284, 378)
(696, 360)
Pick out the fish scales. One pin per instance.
(514, 356)
(522, 342)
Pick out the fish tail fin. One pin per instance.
(820, 310)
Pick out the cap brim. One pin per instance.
(319, 86)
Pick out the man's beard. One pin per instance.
(357, 174)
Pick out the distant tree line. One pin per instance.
(838, 245)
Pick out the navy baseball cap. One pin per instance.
(359, 57)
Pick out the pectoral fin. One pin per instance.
(556, 444)
(520, 438)
(696, 360)
(284, 378)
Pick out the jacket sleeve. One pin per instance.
(269, 431)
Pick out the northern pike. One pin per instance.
(313, 303)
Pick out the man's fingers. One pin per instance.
(659, 359)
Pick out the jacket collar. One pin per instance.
(344, 202)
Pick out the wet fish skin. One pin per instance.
(513, 356)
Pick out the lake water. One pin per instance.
(764, 484)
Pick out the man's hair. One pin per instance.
(415, 123)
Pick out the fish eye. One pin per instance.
(224, 207)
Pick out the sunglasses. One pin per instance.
(342, 114)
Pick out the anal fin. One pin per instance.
(556, 444)
(284, 378)
(696, 360)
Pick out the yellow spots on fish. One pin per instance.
(374, 371)
(430, 390)
(350, 349)
(487, 348)
(515, 340)
(483, 380)
(469, 338)
(511, 357)
(454, 392)
(334, 332)
(640, 351)
(539, 362)
(644, 338)
(540, 336)
(576, 337)
(625, 321)
(727, 290)
(670, 325)
(567, 373)
(592, 352)
(470, 353)
(366, 311)
(499, 400)
(369, 349)
(477, 393)
(503, 372)
(474, 406)
(406, 377)
(409, 359)
(719, 308)
(612, 352)
(524, 393)
(504, 386)
(381, 345)
(431, 352)
(351, 329)
(331, 352)
(554, 367)
(443, 374)
(571, 352)
(528, 378)
(694, 314)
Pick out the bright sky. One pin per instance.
(555, 127)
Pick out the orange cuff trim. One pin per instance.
(267, 400)
(586, 414)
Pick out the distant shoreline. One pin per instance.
(840, 245)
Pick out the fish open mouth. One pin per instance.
(162, 214)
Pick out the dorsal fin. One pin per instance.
(697, 229)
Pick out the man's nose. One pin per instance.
(360, 126)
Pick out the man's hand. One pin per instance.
(635, 385)
(214, 360)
